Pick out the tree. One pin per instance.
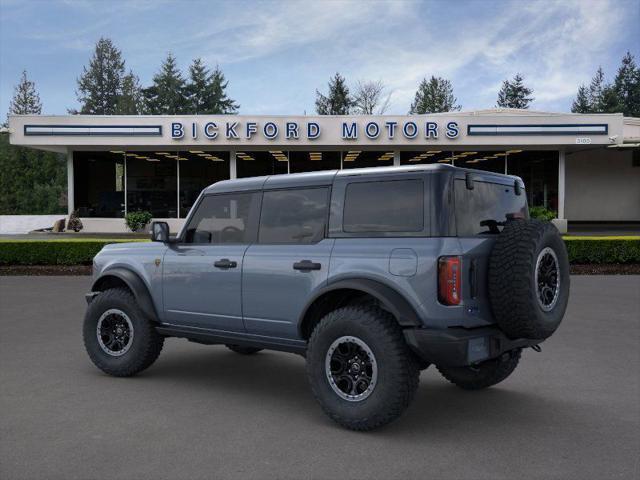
(433, 96)
(130, 101)
(25, 99)
(514, 94)
(582, 103)
(370, 98)
(218, 100)
(627, 86)
(100, 85)
(337, 101)
(167, 95)
(206, 92)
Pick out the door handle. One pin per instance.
(306, 265)
(225, 263)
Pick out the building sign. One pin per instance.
(293, 130)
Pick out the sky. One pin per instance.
(275, 54)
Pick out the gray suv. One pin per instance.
(371, 274)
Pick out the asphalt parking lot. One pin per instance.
(572, 411)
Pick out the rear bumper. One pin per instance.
(457, 347)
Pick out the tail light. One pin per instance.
(449, 273)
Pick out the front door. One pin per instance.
(289, 261)
(202, 274)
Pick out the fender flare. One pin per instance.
(393, 301)
(135, 284)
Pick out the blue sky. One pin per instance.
(275, 54)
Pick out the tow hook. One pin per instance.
(536, 348)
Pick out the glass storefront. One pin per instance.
(167, 183)
(257, 164)
(99, 184)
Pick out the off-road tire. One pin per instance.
(513, 291)
(242, 349)
(398, 373)
(146, 344)
(483, 375)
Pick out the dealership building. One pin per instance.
(585, 167)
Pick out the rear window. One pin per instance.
(482, 209)
(389, 206)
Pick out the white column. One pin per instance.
(561, 183)
(178, 188)
(233, 171)
(125, 185)
(396, 158)
(70, 183)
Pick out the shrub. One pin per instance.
(603, 249)
(542, 213)
(74, 251)
(75, 223)
(137, 220)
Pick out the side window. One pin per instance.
(487, 203)
(386, 206)
(294, 216)
(225, 218)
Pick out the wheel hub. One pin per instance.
(114, 332)
(547, 279)
(351, 368)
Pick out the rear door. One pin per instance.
(202, 274)
(289, 261)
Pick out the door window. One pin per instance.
(223, 219)
(297, 216)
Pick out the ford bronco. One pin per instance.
(371, 274)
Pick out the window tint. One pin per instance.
(486, 202)
(222, 219)
(391, 206)
(294, 216)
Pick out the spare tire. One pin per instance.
(529, 279)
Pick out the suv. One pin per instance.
(371, 274)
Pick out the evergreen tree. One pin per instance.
(581, 104)
(130, 101)
(218, 100)
(433, 96)
(25, 99)
(206, 92)
(100, 85)
(167, 95)
(596, 91)
(627, 86)
(514, 94)
(338, 101)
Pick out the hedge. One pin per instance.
(584, 250)
(73, 251)
(79, 251)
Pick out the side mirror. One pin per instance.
(160, 232)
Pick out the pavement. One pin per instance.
(570, 412)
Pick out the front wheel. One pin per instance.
(360, 369)
(118, 337)
(486, 374)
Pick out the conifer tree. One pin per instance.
(130, 101)
(433, 96)
(627, 86)
(514, 94)
(25, 99)
(100, 85)
(338, 100)
(167, 94)
(206, 92)
(581, 104)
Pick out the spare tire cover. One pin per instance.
(529, 279)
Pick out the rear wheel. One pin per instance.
(483, 375)
(118, 337)
(361, 371)
(242, 349)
